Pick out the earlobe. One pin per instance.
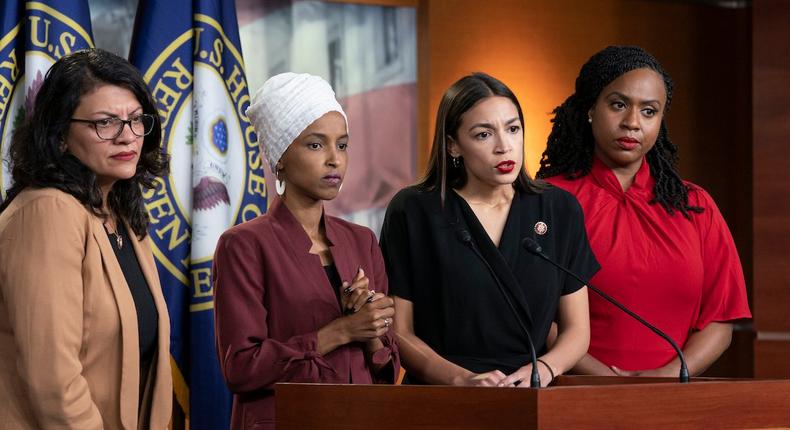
(452, 147)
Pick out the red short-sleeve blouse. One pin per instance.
(677, 273)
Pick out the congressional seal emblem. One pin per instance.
(216, 178)
(42, 36)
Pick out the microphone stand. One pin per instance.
(534, 380)
(532, 246)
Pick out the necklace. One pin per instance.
(118, 237)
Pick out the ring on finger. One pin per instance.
(387, 322)
(370, 296)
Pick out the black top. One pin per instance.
(147, 316)
(334, 279)
(458, 309)
(335, 282)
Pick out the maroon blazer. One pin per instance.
(271, 297)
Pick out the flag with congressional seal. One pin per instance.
(33, 35)
(190, 56)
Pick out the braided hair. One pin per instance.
(570, 146)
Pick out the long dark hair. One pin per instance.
(35, 153)
(457, 100)
(570, 146)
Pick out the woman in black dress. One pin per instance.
(451, 239)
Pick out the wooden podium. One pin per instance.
(571, 402)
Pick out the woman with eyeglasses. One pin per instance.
(84, 330)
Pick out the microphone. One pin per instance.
(533, 247)
(466, 239)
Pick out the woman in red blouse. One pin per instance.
(664, 248)
(300, 296)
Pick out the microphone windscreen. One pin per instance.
(463, 236)
(531, 245)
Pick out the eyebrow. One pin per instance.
(489, 125)
(324, 136)
(623, 96)
(104, 112)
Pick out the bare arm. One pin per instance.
(573, 338)
(571, 344)
(422, 361)
(702, 349)
(590, 365)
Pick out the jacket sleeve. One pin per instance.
(249, 358)
(42, 250)
(389, 373)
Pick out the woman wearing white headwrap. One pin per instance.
(300, 296)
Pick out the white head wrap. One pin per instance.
(285, 106)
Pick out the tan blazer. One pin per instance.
(69, 353)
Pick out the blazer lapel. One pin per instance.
(128, 316)
(299, 243)
(162, 386)
(341, 251)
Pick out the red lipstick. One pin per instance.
(124, 156)
(627, 143)
(506, 166)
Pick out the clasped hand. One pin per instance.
(369, 313)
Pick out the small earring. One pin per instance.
(589, 119)
(456, 163)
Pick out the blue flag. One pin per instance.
(33, 35)
(190, 55)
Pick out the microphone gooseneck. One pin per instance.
(466, 238)
(534, 247)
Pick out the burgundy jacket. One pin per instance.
(272, 296)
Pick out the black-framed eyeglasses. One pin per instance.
(110, 128)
